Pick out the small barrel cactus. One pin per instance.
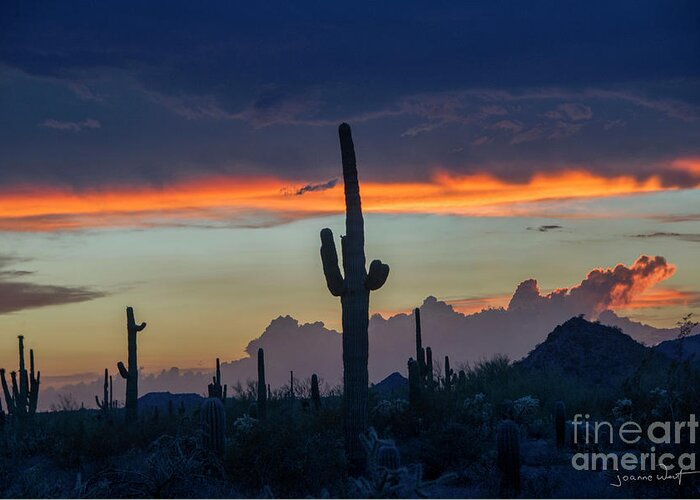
(560, 423)
(213, 417)
(389, 457)
(508, 460)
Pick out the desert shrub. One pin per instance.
(171, 467)
(451, 446)
(293, 454)
(391, 418)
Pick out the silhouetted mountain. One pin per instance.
(160, 400)
(393, 385)
(600, 354)
(686, 348)
(646, 334)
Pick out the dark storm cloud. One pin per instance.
(322, 186)
(180, 88)
(545, 228)
(19, 295)
(692, 237)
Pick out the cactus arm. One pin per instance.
(122, 370)
(20, 402)
(329, 259)
(34, 394)
(34, 382)
(6, 390)
(15, 390)
(23, 376)
(378, 273)
(104, 406)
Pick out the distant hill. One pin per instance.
(394, 385)
(687, 348)
(599, 354)
(160, 400)
(646, 334)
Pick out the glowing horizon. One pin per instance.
(45, 209)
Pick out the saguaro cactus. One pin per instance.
(112, 402)
(132, 374)
(420, 352)
(429, 382)
(508, 442)
(560, 423)
(107, 402)
(262, 392)
(213, 419)
(215, 389)
(413, 383)
(23, 399)
(291, 384)
(353, 290)
(315, 393)
(448, 374)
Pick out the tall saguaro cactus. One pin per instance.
(107, 402)
(420, 352)
(131, 375)
(315, 392)
(262, 387)
(448, 374)
(23, 399)
(429, 369)
(353, 288)
(215, 389)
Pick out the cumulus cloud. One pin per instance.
(602, 289)
(515, 330)
(88, 123)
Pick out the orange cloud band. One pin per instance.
(267, 201)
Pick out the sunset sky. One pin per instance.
(181, 157)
